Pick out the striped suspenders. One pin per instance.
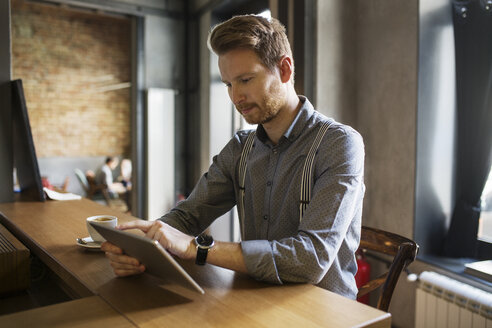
(243, 164)
(308, 168)
(306, 172)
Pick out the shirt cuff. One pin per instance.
(260, 264)
(173, 223)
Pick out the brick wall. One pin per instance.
(66, 58)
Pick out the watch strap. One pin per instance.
(201, 255)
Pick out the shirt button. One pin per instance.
(265, 217)
(269, 183)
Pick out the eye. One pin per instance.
(246, 80)
(228, 85)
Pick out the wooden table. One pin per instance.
(230, 300)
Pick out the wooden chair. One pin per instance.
(403, 251)
(93, 190)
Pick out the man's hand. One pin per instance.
(123, 265)
(173, 240)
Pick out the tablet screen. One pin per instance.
(157, 260)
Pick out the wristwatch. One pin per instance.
(203, 244)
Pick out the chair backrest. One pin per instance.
(82, 179)
(402, 249)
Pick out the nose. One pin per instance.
(236, 94)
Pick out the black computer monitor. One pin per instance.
(25, 160)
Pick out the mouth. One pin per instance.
(245, 109)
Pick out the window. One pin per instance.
(485, 222)
(451, 208)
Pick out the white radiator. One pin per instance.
(444, 302)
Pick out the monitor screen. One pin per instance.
(25, 160)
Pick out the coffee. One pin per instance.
(103, 219)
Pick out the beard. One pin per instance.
(271, 104)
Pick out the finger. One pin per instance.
(125, 273)
(137, 224)
(122, 259)
(127, 267)
(153, 230)
(110, 248)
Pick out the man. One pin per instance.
(105, 177)
(278, 245)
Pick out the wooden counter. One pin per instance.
(231, 299)
(86, 312)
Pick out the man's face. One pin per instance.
(257, 92)
(113, 164)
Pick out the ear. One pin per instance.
(286, 69)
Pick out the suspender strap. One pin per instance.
(243, 164)
(308, 168)
(306, 180)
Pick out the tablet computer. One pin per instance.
(157, 260)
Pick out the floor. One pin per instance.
(119, 204)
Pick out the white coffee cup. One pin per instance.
(107, 220)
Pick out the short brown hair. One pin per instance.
(265, 37)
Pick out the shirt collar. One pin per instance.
(297, 125)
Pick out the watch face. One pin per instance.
(204, 240)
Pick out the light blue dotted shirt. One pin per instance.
(276, 245)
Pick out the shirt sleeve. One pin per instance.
(212, 196)
(328, 230)
(107, 175)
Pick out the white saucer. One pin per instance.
(89, 243)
